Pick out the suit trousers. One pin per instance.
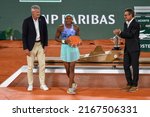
(38, 52)
(132, 75)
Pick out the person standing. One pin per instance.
(35, 43)
(131, 50)
(69, 55)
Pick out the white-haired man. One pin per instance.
(35, 42)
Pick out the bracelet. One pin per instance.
(63, 41)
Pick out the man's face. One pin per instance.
(36, 13)
(68, 20)
(127, 16)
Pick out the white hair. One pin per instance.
(33, 7)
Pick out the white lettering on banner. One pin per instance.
(82, 19)
(103, 19)
(143, 20)
(88, 19)
(95, 19)
(63, 18)
(111, 18)
(54, 18)
(145, 46)
(47, 18)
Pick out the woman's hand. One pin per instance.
(68, 41)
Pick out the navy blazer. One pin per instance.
(131, 36)
(29, 33)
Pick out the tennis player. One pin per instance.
(69, 54)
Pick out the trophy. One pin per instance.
(116, 43)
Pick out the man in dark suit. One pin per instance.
(131, 50)
(35, 42)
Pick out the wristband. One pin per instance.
(63, 41)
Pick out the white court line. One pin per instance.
(12, 77)
(78, 69)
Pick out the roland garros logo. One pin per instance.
(40, 0)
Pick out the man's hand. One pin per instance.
(27, 52)
(117, 31)
(45, 49)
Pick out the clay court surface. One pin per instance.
(91, 86)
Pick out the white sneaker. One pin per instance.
(74, 86)
(30, 88)
(44, 87)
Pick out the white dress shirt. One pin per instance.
(36, 24)
(129, 22)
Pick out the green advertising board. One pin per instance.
(143, 17)
(40, 0)
(96, 18)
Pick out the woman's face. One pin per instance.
(68, 20)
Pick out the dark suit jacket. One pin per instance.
(29, 33)
(131, 36)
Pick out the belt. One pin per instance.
(38, 41)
